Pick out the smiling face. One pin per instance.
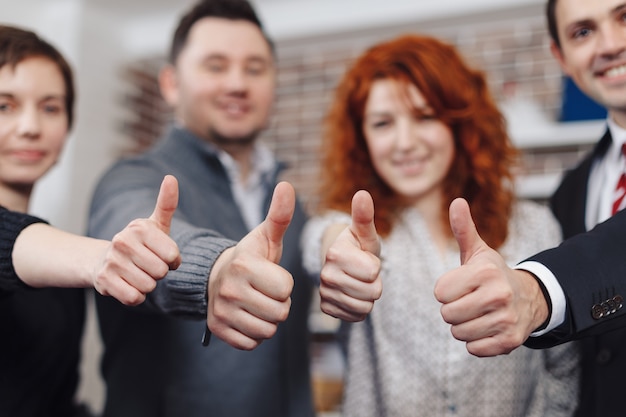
(593, 50)
(33, 121)
(410, 148)
(222, 86)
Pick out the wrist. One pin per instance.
(540, 302)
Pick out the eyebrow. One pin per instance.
(618, 8)
(221, 56)
(44, 98)
(586, 21)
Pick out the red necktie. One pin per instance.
(620, 189)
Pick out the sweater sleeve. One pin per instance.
(12, 224)
(127, 192)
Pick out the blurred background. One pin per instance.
(116, 48)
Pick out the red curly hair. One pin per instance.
(484, 155)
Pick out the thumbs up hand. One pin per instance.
(350, 279)
(490, 306)
(249, 294)
(142, 253)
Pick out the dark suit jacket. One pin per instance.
(590, 270)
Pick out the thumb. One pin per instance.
(464, 230)
(166, 203)
(280, 213)
(362, 225)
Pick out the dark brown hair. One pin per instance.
(223, 9)
(551, 18)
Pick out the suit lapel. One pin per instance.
(570, 200)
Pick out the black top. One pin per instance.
(40, 334)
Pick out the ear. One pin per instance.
(558, 55)
(168, 83)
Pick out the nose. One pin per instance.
(406, 134)
(612, 41)
(236, 80)
(29, 123)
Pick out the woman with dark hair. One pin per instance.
(416, 127)
(41, 327)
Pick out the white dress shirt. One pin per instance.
(250, 193)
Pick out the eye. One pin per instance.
(52, 108)
(380, 124)
(256, 68)
(6, 107)
(424, 114)
(580, 33)
(215, 66)
(426, 117)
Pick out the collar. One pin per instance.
(264, 164)
(262, 167)
(618, 136)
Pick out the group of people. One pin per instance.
(204, 295)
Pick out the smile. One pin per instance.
(410, 166)
(235, 109)
(28, 155)
(616, 72)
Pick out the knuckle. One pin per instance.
(119, 244)
(283, 313)
(134, 299)
(161, 270)
(333, 254)
(378, 290)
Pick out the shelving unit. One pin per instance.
(560, 145)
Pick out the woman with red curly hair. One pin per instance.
(416, 127)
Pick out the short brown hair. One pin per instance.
(223, 9)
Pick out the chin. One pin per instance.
(226, 137)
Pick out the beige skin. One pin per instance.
(593, 50)
(412, 154)
(350, 280)
(223, 83)
(491, 307)
(127, 268)
(33, 129)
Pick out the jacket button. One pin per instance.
(612, 305)
(603, 357)
(596, 311)
(606, 309)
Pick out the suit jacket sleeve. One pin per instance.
(591, 268)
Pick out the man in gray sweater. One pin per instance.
(220, 81)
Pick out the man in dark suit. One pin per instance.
(588, 40)
(584, 280)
